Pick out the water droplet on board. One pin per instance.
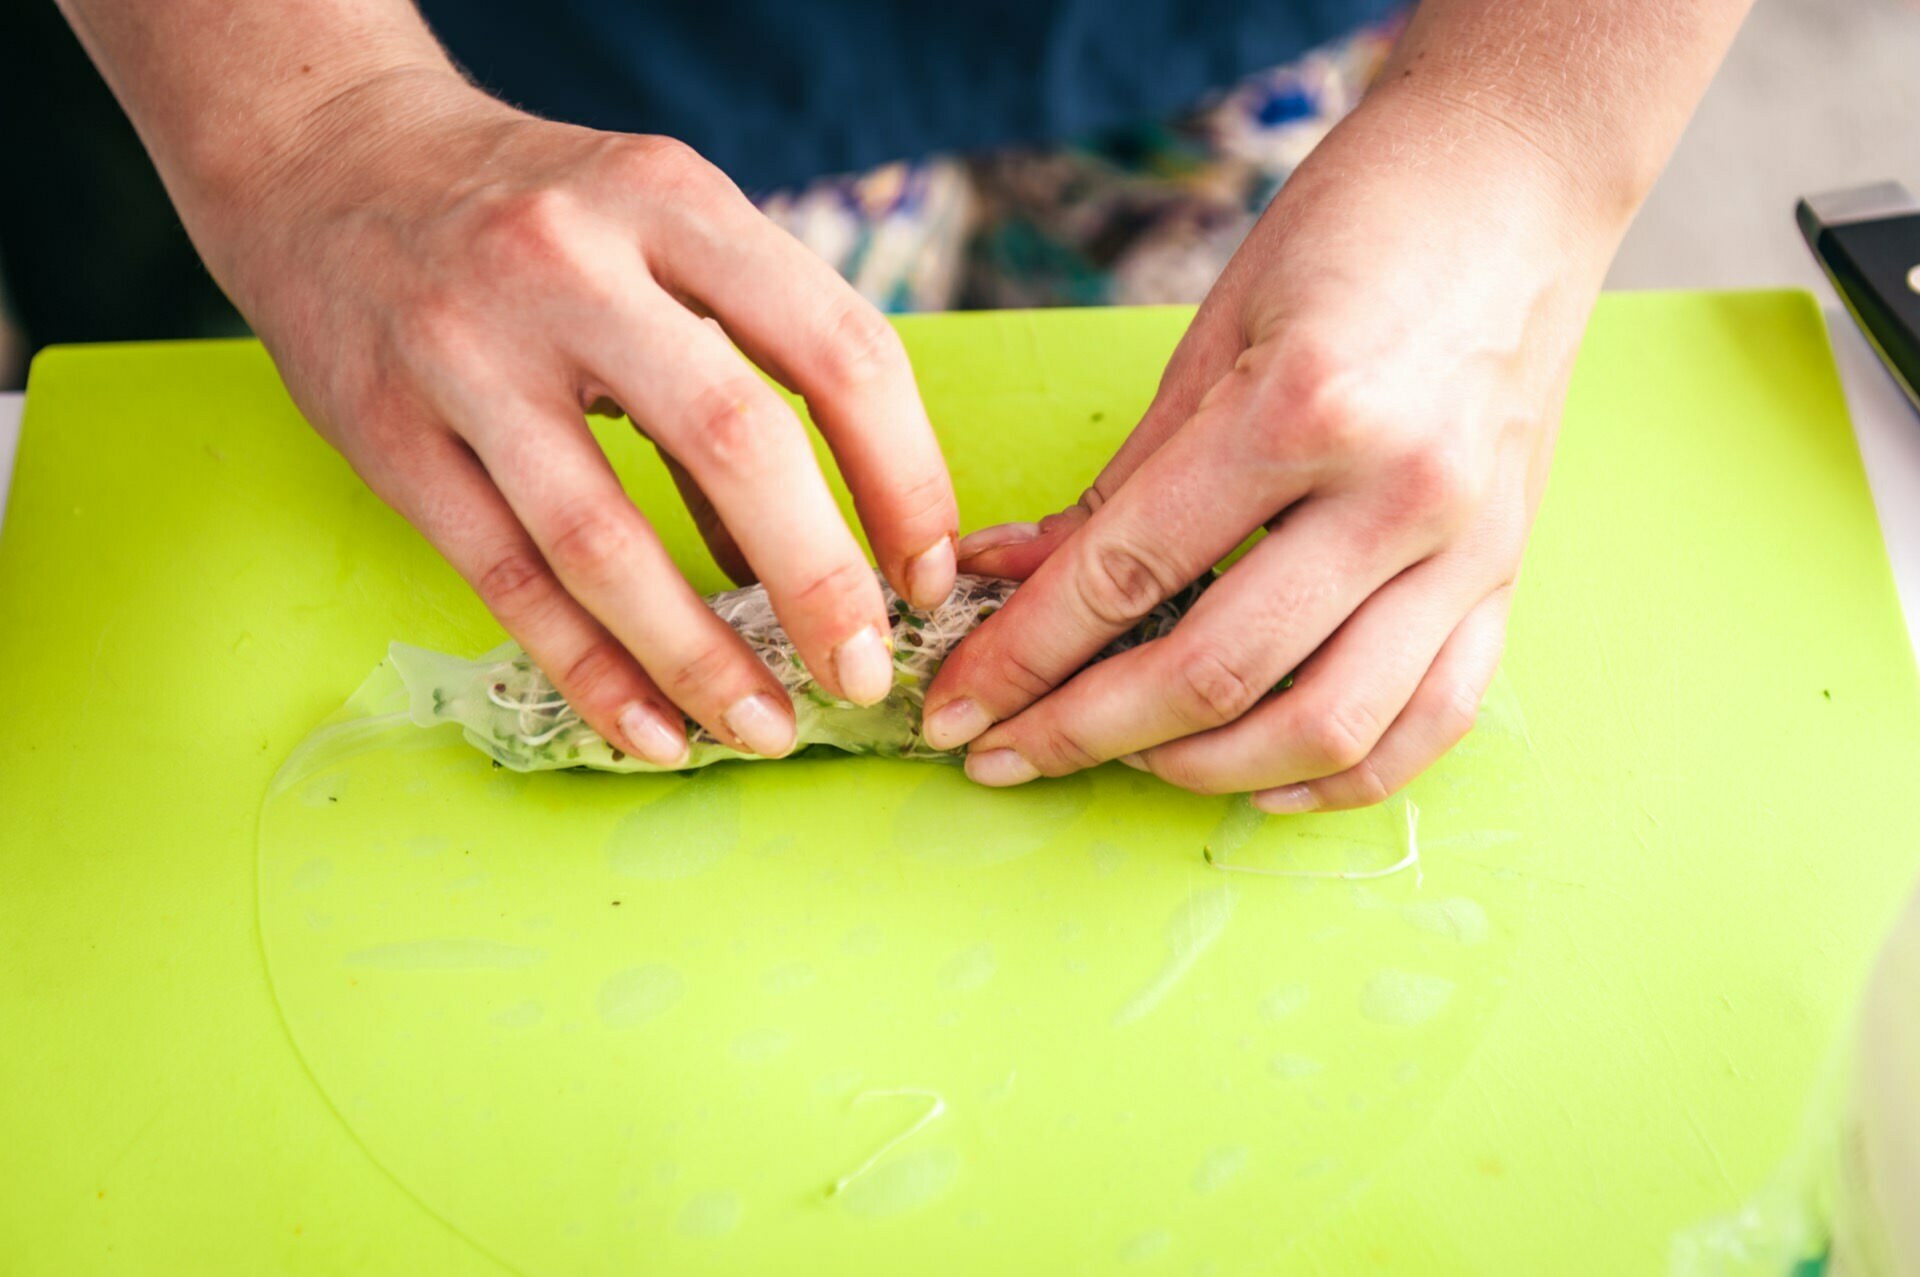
(948, 818)
(1404, 997)
(1218, 1167)
(968, 969)
(757, 1046)
(1106, 857)
(711, 1215)
(837, 1083)
(683, 834)
(426, 845)
(901, 1182)
(521, 1015)
(787, 977)
(1284, 1001)
(863, 941)
(1295, 1066)
(639, 994)
(1147, 1246)
(1458, 919)
(455, 953)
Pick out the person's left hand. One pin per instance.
(1376, 380)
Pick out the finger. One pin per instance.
(798, 319)
(720, 542)
(1342, 699)
(558, 483)
(1015, 551)
(747, 452)
(1205, 353)
(1441, 712)
(1259, 621)
(455, 505)
(1169, 523)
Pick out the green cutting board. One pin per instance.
(410, 1014)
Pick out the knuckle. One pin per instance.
(859, 347)
(598, 677)
(514, 585)
(528, 229)
(1174, 767)
(1362, 785)
(1027, 679)
(1212, 688)
(1120, 583)
(700, 677)
(661, 165)
(1309, 395)
(1056, 751)
(1457, 713)
(1333, 419)
(839, 597)
(588, 544)
(926, 498)
(1441, 482)
(1340, 736)
(434, 331)
(732, 422)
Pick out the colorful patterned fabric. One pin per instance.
(1133, 217)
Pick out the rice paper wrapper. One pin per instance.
(509, 709)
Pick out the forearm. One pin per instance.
(223, 92)
(1600, 89)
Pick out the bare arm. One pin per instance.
(223, 93)
(1376, 379)
(446, 284)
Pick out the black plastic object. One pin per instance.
(1868, 242)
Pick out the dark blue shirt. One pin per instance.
(777, 93)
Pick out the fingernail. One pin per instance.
(864, 666)
(997, 537)
(930, 575)
(1000, 767)
(1287, 800)
(1135, 761)
(954, 724)
(651, 737)
(764, 726)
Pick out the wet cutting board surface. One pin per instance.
(413, 1014)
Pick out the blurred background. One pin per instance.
(1816, 94)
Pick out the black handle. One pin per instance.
(1876, 266)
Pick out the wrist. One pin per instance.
(339, 151)
(1511, 144)
(229, 171)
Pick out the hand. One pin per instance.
(446, 284)
(1375, 381)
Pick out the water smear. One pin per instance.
(1195, 925)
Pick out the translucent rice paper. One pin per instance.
(875, 1016)
(510, 710)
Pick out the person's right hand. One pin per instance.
(447, 284)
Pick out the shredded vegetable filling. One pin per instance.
(511, 711)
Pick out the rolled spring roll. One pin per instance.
(511, 712)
